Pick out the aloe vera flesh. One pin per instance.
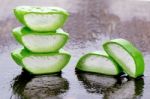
(41, 42)
(129, 58)
(98, 63)
(41, 63)
(41, 19)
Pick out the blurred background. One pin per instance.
(91, 23)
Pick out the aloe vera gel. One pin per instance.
(41, 42)
(129, 58)
(98, 62)
(41, 19)
(41, 63)
(42, 39)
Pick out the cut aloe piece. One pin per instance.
(41, 19)
(126, 55)
(98, 62)
(40, 42)
(41, 63)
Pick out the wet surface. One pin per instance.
(34, 87)
(112, 88)
(91, 23)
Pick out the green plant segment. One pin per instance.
(40, 42)
(98, 62)
(41, 19)
(129, 58)
(41, 63)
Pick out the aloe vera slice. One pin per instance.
(126, 55)
(98, 62)
(40, 42)
(41, 63)
(41, 19)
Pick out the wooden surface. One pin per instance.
(91, 23)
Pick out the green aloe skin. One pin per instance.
(98, 62)
(41, 63)
(41, 19)
(40, 42)
(129, 58)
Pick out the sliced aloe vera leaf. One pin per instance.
(98, 62)
(126, 55)
(41, 63)
(41, 19)
(40, 42)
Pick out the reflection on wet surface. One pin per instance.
(27, 86)
(111, 87)
(91, 23)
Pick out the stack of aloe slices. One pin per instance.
(42, 38)
(121, 56)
